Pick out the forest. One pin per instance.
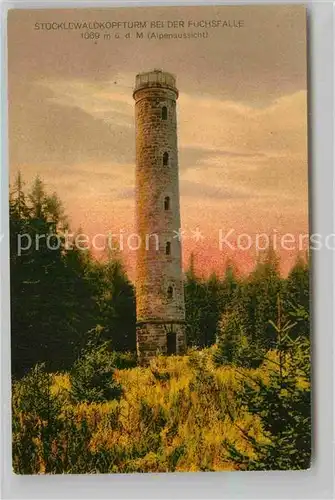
(239, 399)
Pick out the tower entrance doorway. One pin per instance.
(171, 342)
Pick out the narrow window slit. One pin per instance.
(165, 159)
(164, 113)
(167, 203)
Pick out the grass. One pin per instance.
(172, 416)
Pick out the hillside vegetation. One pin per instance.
(239, 399)
(179, 414)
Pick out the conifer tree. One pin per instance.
(117, 310)
(283, 405)
(49, 292)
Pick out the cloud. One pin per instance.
(242, 113)
(53, 127)
(213, 124)
(243, 149)
(201, 191)
(264, 60)
(84, 131)
(100, 100)
(240, 166)
(190, 157)
(126, 194)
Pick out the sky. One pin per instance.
(242, 122)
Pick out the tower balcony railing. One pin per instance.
(155, 78)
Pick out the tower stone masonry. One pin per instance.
(160, 306)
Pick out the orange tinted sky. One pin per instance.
(241, 115)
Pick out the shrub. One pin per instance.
(284, 407)
(35, 420)
(124, 360)
(32, 394)
(235, 347)
(92, 376)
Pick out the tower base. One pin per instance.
(159, 337)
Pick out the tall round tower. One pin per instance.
(159, 285)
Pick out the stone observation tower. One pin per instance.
(160, 304)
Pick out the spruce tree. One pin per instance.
(283, 405)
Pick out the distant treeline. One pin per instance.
(62, 298)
